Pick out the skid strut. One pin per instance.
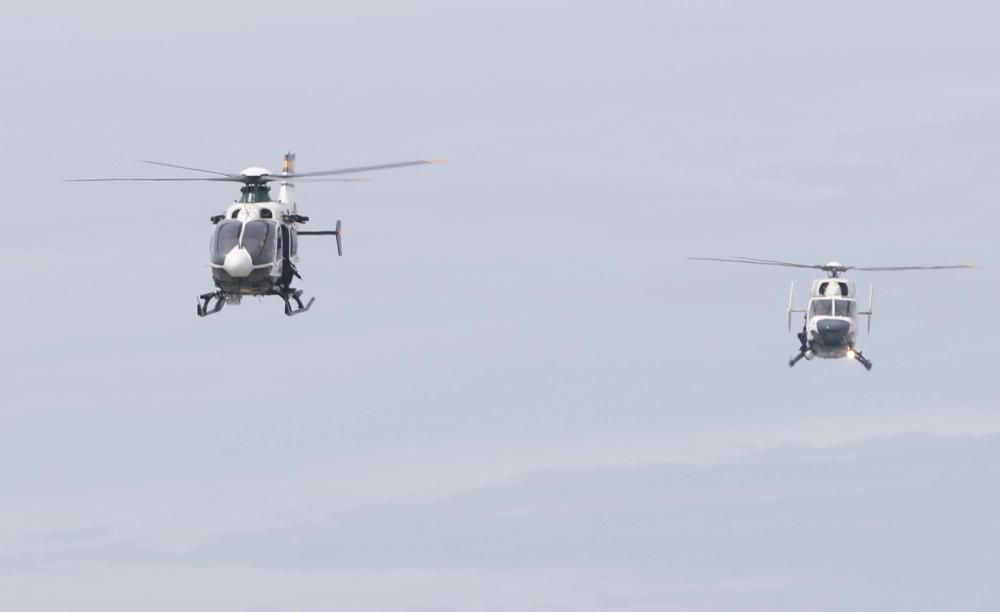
(803, 349)
(206, 298)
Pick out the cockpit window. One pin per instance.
(225, 238)
(260, 239)
(832, 308)
(844, 308)
(821, 308)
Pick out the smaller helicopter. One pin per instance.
(831, 316)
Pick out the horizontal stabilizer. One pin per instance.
(336, 232)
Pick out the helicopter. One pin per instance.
(830, 326)
(254, 246)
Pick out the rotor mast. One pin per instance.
(834, 269)
(255, 192)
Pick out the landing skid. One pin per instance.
(796, 359)
(295, 294)
(211, 303)
(805, 355)
(206, 298)
(863, 360)
(803, 350)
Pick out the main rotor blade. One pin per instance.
(745, 260)
(354, 170)
(106, 180)
(225, 179)
(156, 163)
(904, 268)
(775, 262)
(334, 180)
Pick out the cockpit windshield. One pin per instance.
(832, 308)
(225, 238)
(821, 308)
(844, 308)
(260, 239)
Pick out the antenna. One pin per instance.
(791, 309)
(871, 310)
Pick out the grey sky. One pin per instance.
(512, 392)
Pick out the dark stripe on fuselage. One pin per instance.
(832, 333)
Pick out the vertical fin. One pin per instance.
(286, 192)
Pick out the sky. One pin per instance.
(513, 392)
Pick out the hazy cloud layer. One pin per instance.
(893, 522)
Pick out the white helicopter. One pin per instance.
(254, 248)
(831, 318)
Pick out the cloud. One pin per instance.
(794, 527)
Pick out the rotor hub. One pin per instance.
(834, 269)
(255, 174)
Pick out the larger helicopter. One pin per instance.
(830, 325)
(254, 247)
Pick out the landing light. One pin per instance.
(851, 354)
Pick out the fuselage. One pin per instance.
(831, 326)
(254, 245)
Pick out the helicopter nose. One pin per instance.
(238, 263)
(833, 332)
